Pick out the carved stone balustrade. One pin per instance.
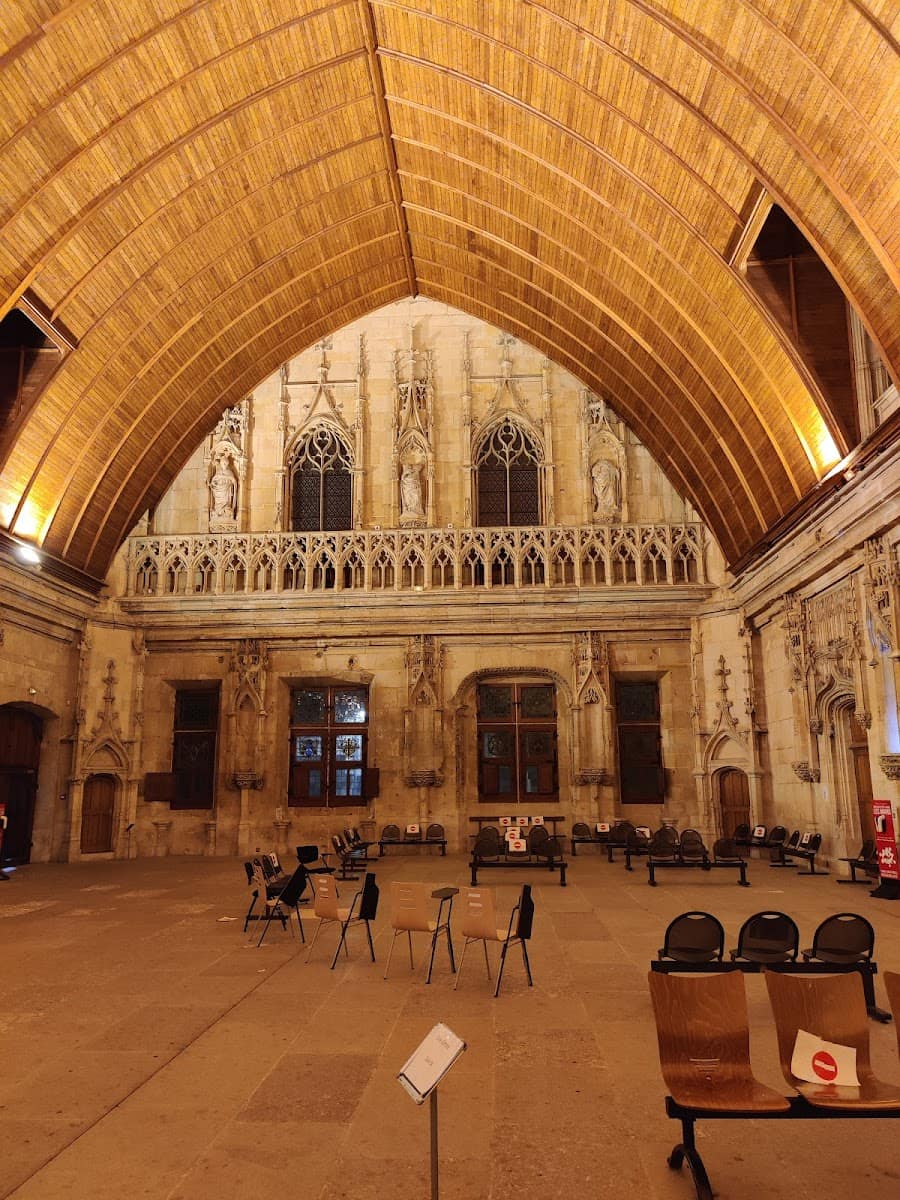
(408, 560)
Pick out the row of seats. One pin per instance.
(409, 914)
(412, 836)
(768, 937)
(702, 1022)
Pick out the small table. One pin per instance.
(445, 896)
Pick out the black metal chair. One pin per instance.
(776, 836)
(286, 902)
(866, 861)
(349, 856)
(692, 848)
(663, 847)
(390, 836)
(842, 939)
(435, 836)
(307, 855)
(767, 937)
(741, 835)
(777, 853)
(537, 837)
(694, 937)
(487, 843)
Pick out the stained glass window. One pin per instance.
(328, 760)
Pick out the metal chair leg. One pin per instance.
(487, 961)
(462, 959)
(390, 953)
(315, 939)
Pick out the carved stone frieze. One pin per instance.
(805, 772)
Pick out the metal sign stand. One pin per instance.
(423, 1071)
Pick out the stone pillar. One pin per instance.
(210, 828)
(163, 835)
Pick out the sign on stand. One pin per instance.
(423, 1071)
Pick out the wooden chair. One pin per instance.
(479, 924)
(704, 1052)
(831, 1007)
(767, 937)
(361, 910)
(892, 986)
(694, 937)
(409, 915)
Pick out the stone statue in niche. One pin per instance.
(411, 509)
(605, 483)
(222, 496)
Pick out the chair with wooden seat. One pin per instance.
(479, 924)
(768, 937)
(286, 903)
(704, 1052)
(694, 937)
(410, 913)
(833, 1008)
(892, 986)
(361, 911)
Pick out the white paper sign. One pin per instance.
(430, 1062)
(537, 820)
(603, 826)
(644, 829)
(759, 831)
(506, 821)
(511, 832)
(412, 829)
(521, 820)
(516, 845)
(804, 838)
(818, 1061)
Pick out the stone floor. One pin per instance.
(148, 1050)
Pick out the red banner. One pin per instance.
(885, 839)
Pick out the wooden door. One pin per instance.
(20, 751)
(862, 776)
(97, 809)
(734, 800)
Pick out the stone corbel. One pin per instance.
(890, 765)
(247, 780)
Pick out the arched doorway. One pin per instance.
(20, 751)
(97, 810)
(734, 799)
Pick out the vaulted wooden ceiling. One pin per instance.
(197, 189)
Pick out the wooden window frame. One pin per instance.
(329, 764)
(639, 746)
(191, 790)
(517, 727)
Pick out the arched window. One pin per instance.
(507, 479)
(321, 483)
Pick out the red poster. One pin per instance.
(885, 839)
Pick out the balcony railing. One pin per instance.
(405, 560)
